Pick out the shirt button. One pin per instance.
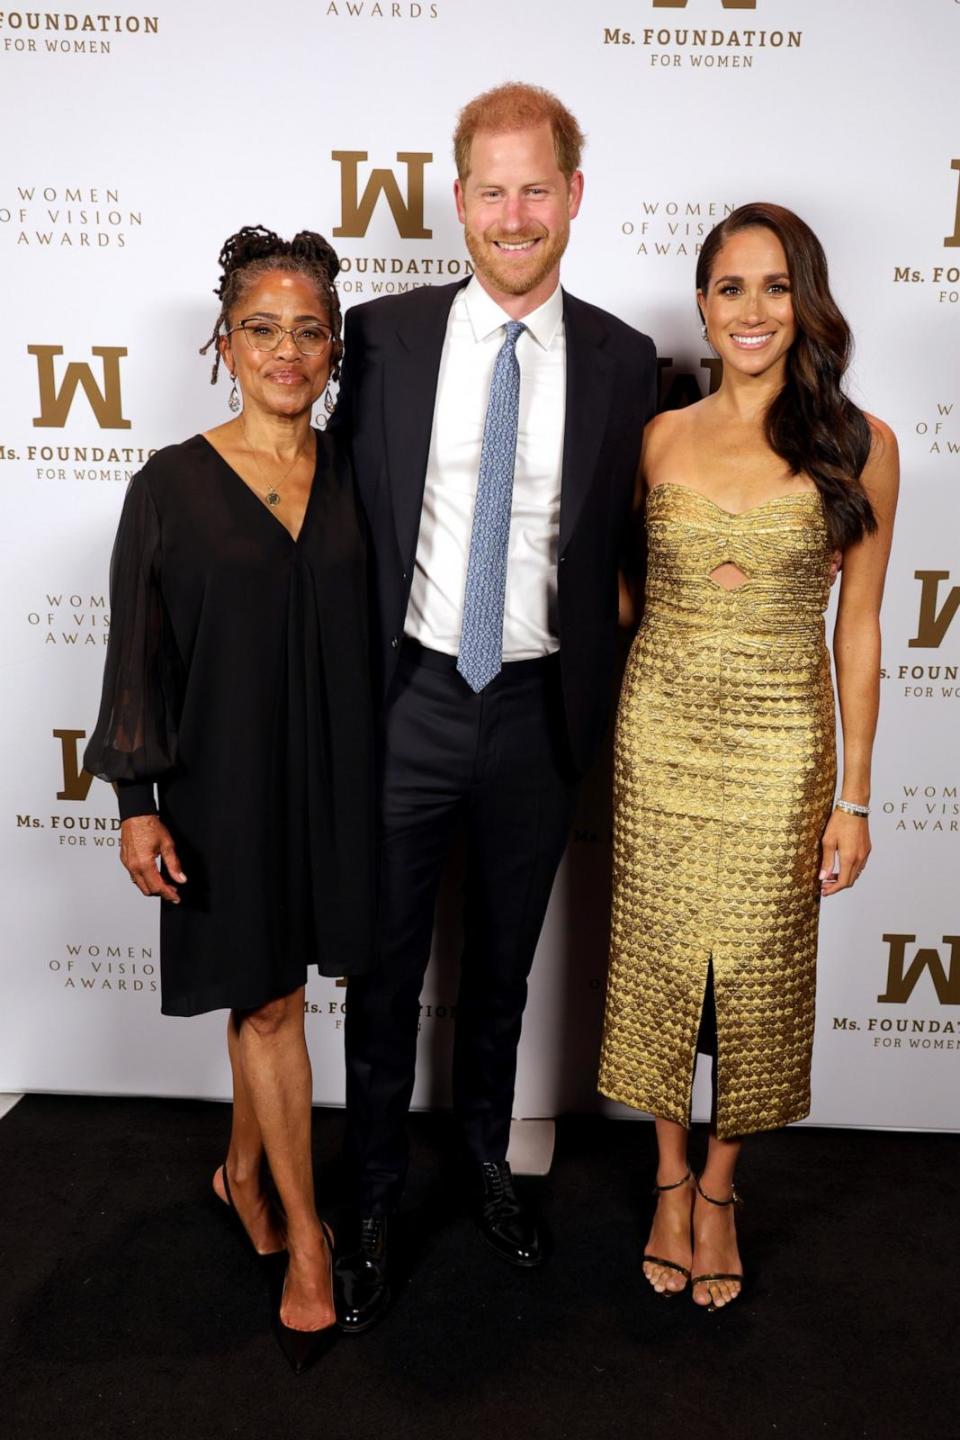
(403, 574)
(395, 642)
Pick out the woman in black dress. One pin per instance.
(236, 722)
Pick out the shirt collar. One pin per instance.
(486, 316)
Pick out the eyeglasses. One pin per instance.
(266, 335)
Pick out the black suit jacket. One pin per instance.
(388, 389)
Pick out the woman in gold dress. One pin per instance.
(726, 831)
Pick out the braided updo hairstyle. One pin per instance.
(256, 251)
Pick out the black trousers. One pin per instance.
(497, 763)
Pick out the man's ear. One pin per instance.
(575, 193)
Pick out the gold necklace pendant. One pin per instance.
(271, 497)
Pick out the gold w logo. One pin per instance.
(901, 977)
(76, 780)
(106, 403)
(357, 209)
(954, 239)
(933, 624)
(682, 4)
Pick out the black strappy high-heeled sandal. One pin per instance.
(656, 1259)
(260, 1254)
(304, 1347)
(706, 1279)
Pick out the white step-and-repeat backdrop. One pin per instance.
(135, 142)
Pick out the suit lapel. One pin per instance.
(588, 388)
(410, 392)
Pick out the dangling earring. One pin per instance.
(703, 331)
(329, 405)
(233, 399)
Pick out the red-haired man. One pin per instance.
(496, 426)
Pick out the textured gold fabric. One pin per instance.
(723, 783)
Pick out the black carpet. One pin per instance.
(130, 1307)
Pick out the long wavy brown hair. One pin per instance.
(812, 424)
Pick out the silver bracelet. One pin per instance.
(849, 808)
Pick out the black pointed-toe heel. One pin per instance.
(304, 1348)
(235, 1214)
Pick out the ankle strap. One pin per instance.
(734, 1197)
(659, 1189)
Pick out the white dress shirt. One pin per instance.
(475, 333)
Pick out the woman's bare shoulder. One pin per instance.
(882, 435)
(666, 431)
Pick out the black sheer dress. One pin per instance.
(237, 685)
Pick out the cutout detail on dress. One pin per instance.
(728, 576)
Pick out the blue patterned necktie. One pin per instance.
(481, 634)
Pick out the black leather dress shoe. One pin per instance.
(361, 1279)
(505, 1223)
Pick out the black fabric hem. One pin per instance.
(204, 1002)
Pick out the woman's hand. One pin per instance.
(846, 840)
(142, 839)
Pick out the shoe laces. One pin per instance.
(498, 1186)
(372, 1232)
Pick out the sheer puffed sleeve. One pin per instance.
(135, 739)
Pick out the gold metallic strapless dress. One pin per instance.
(724, 779)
